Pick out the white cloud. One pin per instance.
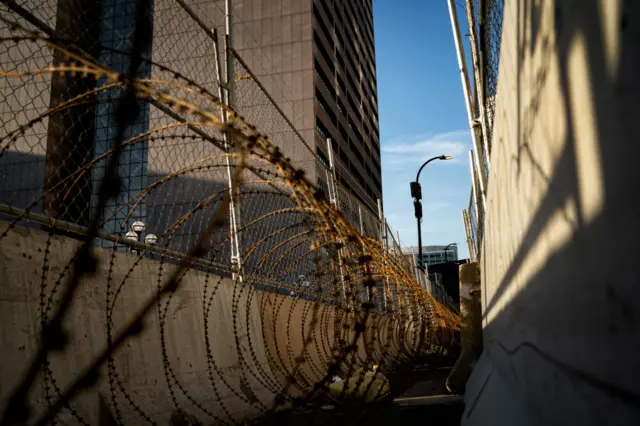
(427, 147)
(454, 135)
(421, 147)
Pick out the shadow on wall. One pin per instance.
(561, 306)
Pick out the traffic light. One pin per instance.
(416, 190)
(417, 207)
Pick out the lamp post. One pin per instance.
(445, 250)
(416, 193)
(137, 229)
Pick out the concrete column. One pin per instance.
(470, 328)
(71, 132)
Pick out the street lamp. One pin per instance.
(138, 227)
(416, 193)
(445, 250)
(131, 236)
(151, 239)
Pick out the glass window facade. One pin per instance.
(116, 40)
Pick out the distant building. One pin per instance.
(432, 255)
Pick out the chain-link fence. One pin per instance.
(432, 283)
(54, 164)
(131, 124)
(488, 22)
(173, 169)
(485, 28)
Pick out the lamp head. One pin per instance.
(446, 157)
(138, 227)
(151, 239)
(131, 236)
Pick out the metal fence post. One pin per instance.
(384, 243)
(362, 232)
(479, 85)
(464, 76)
(228, 21)
(478, 206)
(467, 230)
(333, 198)
(234, 207)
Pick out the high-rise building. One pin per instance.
(315, 58)
(345, 89)
(324, 51)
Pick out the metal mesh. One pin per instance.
(488, 16)
(485, 24)
(491, 44)
(162, 185)
(117, 135)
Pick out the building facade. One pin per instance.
(316, 59)
(346, 92)
(432, 255)
(324, 51)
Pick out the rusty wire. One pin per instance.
(304, 306)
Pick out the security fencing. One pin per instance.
(187, 45)
(488, 21)
(484, 18)
(408, 262)
(135, 128)
(471, 225)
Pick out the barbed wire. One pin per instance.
(303, 306)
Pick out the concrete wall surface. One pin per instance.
(187, 358)
(216, 350)
(561, 312)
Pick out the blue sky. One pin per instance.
(422, 114)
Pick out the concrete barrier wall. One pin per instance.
(214, 349)
(560, 296)
(303, 340)
(187, 358)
